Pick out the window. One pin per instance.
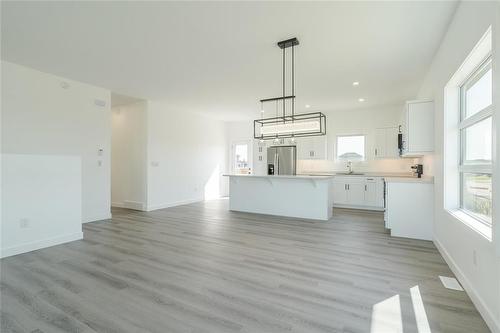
(241, 163)
(351, 147)
(475, 131)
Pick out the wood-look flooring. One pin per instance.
(202, 268)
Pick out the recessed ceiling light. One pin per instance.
(361, 100)
(355, 83)
(307, 106)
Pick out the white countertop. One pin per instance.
(313, 177)
(388, 176)
(424, 179)
(361, 174)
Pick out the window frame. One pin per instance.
(232, 154)
(464, 122)
(349, 135)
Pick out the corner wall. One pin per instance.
(456, 241)
(186, 156)
(43, 114)
(41, 201)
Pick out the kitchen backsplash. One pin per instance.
(382, 165)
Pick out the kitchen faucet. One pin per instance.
(349, 166)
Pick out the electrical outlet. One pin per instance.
(24, 223)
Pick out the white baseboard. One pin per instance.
(98, 217)
(37, 245)
(488, 316)
(367, 208)
(173, 204)
(135, 205)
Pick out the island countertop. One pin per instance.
(309, 197)
(310, 177)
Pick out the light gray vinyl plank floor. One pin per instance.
(203, 268)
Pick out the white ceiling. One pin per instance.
(118, 99)
(220, 57)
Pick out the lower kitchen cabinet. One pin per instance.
(410, 209)
(358, 192)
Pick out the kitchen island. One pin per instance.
(309, 197)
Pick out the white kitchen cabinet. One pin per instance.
(380, 143)
(418, 128)
(386, 142)
(340, 193)
(410, 209)
(311, 148)
(374, 192)
(358, 192)
(260, 158)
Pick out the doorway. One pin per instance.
(241, 157)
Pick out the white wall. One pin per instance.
(129, 156)
(39, 116)
(186, 156)
(41, 200)
(456, 241)
(362, 121)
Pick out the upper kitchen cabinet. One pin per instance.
(311, 148)
(260, 158)
(386, 143)
(418, 128)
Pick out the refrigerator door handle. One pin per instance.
(276, 168)
(278, 159)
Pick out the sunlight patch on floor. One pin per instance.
(418, 308)
(386, 316)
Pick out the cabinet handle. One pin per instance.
(375, 151)
(365, 188)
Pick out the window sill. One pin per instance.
(479, 227)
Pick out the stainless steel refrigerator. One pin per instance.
(282, 160)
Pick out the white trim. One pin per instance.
(477, 226)
(129, 204)
(367, 208)
(40, 244)
(232, 156)
(476, 117)
(173, 204)
(103, 216)
(488, 316)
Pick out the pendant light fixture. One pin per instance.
(288, 124)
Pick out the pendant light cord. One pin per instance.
(293, 81)
(284, 77)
